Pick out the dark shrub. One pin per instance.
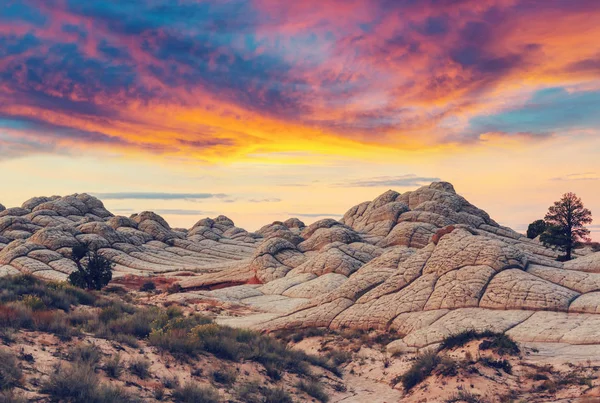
(536, 229)
(314, 389)
(9, 396)
(498, 364)
(194, 393)
(93, 270)
(148, 286)
(114, 367)
(224, 376)
(174, 288)
(420, 370)
(464, 397)
(140, 368)
(86, 353)
(76, 383)
(10, 371)
(447, 367)
(277, 395)
(498, 342)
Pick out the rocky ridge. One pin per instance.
(423, 264)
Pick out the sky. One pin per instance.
(262, 109)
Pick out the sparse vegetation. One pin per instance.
(79, 383)
(498, 342)
(86, 353)
(194, 393)
(140, 368)
(422, 367)
(464, 396)
(148, 286)
(276, 395)
(314, 389)
(114, 367)
(498, 364)
(224, 376)
(10, 371)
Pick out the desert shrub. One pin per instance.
(93, 272)
(158, 391)
(314, 389)
(249, 393)
(86, 353)
(140, 368)
(170, 382)
(339, 357)
(52, 295)
(276, 395)
(194, 393)
(497, 364)
(174, 288)
(148, 286)
(498, 342)
(112, 394)
(112, 309)
(224, 376)
(16, 316)
(464, 396)
(10, 372)
(9, 396)
(55, 322)
(113, 367)
(33, 302)
(447, 366)
(420, 369)
(501, 344)
(76, 383)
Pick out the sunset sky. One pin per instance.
(262, 110)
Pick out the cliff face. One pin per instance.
(425, 263)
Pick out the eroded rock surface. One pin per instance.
(425, 264)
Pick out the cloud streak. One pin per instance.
(157, 196)
(390, 181)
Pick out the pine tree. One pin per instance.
(566, 220)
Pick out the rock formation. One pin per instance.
(424, 264)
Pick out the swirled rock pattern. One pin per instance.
(424, 264)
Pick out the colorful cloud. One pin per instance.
(230, 80)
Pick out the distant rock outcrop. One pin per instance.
(425, 264)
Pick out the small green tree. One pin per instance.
(536, 228)
(93, 270)
(565, 224)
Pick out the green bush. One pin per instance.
(194, 393)
(52, 295)
(10, 371)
